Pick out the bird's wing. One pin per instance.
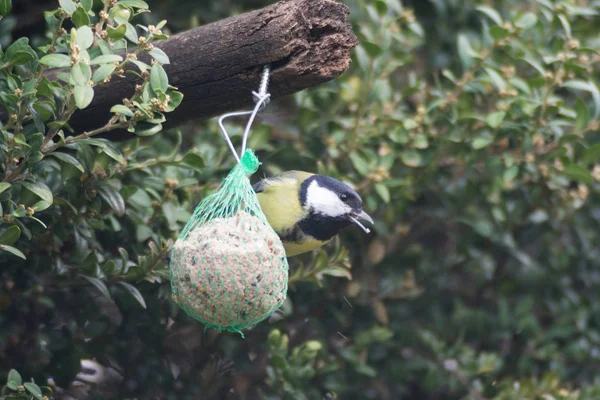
(284, 178)
(279, 199)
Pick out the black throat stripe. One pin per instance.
(322, 227)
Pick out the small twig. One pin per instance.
(15, 174)
(106, 128)
(548, 91)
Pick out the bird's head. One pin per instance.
(332, 200)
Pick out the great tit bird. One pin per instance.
(307, 210)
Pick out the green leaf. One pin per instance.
(68, 5)
(134, 3)
(10, 236)
(85, 37)
(100, 285)
(45, 89)
(134, 292)
(117, 33)
(495, 119)
(417, 29)
(81, 73)
(37, 119)
(412, 159)
(364, 61)
(279, 362)
(520, 84)
(34, 390)
(591, 154)
(481, 142)
(121, 109)
(142, 66)
(588, 86)
(140, 198)
(40, 206)
(338, 272)
(13, 251)
(527, 20)
(142, 233)
(87, 4)
(421, 142)
(583, 11)
(20, 58)
(84, 94)
(193, 160)
(383, 192)
(579, 173)
(147, 129)
(158, 78)
(106, 146)
(161, 24)
(171, 213)
(496, 79)
(176, 99)
(62, 202)
(130, 32)
(359, 163)
(20, 139)
(465, 51)
(21, 44)
(109, 267)
(56, 60)
(14, 380)
(538, 216)
(159, 55)
(19, 212)
(535, 65)
(366, 370)
(566, 25)
(41, 190)
(38, 221)
(113, 198)
(382, 8)
(5, 8)
(67, 158)
(80, 17)
(583, 117)
(498, 32)
(36, 157)
(490, 12)
(4, 186)
(106, 59)
(449, 75)
(103, 72)
(372, 49)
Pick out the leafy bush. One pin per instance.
(471, 131)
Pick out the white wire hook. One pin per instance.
(261, 99)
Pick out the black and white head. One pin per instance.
(332, 202)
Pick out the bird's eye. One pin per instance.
(343, 197)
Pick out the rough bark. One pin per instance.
(216, 66)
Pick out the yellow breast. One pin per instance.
(280, 203)
(293, 249)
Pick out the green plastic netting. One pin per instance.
(228, 266)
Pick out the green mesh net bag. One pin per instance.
(228, 266)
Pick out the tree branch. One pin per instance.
(216, 66)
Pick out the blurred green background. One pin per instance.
(471, 130)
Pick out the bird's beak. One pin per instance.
(365, 217)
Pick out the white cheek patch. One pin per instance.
(324, 201)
